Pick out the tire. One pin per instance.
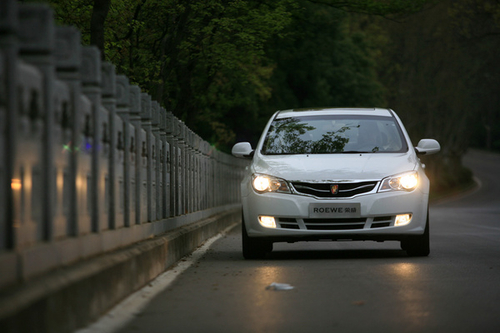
(418, 246)
(254, 248)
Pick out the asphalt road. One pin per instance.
(349, 286)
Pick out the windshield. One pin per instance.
(334, 134)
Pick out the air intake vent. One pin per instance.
(335, 224)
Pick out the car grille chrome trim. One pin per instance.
(358, 188)
(323, 190)
(299, 186)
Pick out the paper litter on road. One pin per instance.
(279, 286)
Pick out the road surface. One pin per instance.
(349, 286)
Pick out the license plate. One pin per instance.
(337, 210)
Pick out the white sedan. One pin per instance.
(335, 174)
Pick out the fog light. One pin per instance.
(267, 221)
(402, 219)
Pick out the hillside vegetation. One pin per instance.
(224, 66)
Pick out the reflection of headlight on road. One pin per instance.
(265, 183)
(403, 182)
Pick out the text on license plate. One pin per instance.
(334, 210)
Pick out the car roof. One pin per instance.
(335, 111)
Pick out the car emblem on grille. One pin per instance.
(334, 189)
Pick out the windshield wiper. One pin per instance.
(354, 152)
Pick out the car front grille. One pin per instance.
(288, 223)
(324, 190)
(335, 224)
(382, 221)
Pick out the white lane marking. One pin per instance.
(125, 311)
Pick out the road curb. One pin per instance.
(70, 298)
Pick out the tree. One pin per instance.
(441, 72)
(99, 13)
(222, 66)
(477, 25)
(324, 59)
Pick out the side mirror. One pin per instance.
(242, 150)
(427, 147)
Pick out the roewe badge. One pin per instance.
(334, 189)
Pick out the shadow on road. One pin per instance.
(285, 255)
(335, 254)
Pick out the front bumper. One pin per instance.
(376, 220)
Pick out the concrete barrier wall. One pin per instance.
(89, 164)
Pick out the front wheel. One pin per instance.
(418, 246)
(254, 248)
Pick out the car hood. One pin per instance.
(334, 167)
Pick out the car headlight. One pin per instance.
(403, 182)
(265, 183)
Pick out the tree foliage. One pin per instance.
(477, 25)
(384, 8)
(201, 59)
(325, 63)
(223, 65)
(440, 68)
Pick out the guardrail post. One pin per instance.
(211, 177)
(206, 173)
(91, 87)
(197, 167)
(116, 199)
(8, 121)
(189, 170)
(137, 192)
(194, 189)
(36, 33)
(157, 148)
(62, 133)
(186, 150)
(66, 95)
(219, 186)
(214, 177)
(178, 166)
(4, 232)
(222, 178)
(197, 175)
(189, 167)
(181, 141)
(171, 164)
(164, 181)
(68, 63)
(174, 167)
(128, 149)
(148, 182)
